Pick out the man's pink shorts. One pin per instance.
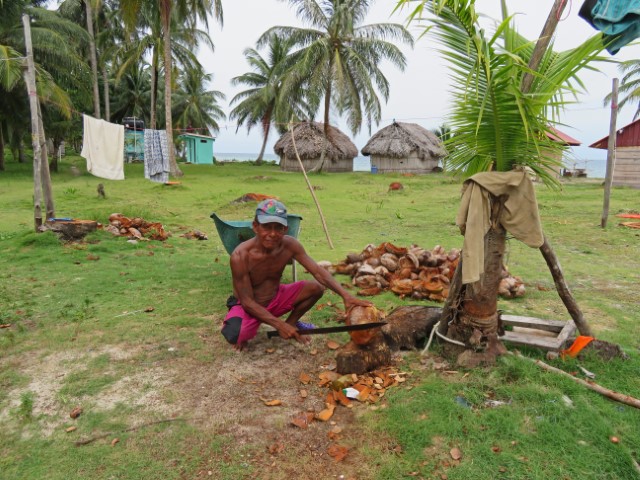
(239, 327)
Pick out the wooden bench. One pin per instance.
(548, 335)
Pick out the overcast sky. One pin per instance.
(420, 93)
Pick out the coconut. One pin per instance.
(365, 269)
(366, 281)
(402, 286)
(354, 257)
(390, 261)
(373, 261)
(359, 315)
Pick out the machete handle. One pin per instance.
(272, 333)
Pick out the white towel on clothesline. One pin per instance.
(103, 147)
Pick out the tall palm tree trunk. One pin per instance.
(154, 89)
(21, 154)
(266, 127)
(107, 99)
(327, 105)
(166, 20)
(93, 59)
(1, 150)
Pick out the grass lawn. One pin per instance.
(164, 397)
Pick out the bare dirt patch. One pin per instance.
(46, 374)
(224, 396)
(228, 397)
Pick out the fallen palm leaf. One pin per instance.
(304, 378)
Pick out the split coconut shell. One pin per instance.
(359, 315)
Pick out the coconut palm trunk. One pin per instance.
(266, 127)
(323, 155)
(477, 321)
(154, 90)
(93, 58)
(1, 150)
(107, 100)
(165, 12)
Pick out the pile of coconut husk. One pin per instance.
(252, 197)
(410, 272)
(135, 228)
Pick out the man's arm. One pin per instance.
(243, 290)
(325, 278)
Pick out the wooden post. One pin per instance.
(30, 80)
(611, 153)
(313, 194)
(563, 289)
(45, 174)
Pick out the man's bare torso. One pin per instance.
(264, 267)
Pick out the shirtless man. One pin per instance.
(256, 267)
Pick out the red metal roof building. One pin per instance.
(558, 136)
(626, 170)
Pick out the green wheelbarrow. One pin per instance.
(233, 232)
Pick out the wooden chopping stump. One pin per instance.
(359, 359)
(72, 230)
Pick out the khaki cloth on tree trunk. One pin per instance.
(519, 216)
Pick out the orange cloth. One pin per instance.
(577, 346)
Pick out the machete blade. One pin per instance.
(341, 328)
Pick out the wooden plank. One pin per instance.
(568, 331)
(532, 322)
(546, 343)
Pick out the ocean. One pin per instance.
(595, 168)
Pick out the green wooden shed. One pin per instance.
(198, 148)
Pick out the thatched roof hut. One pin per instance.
(309, 138)
(404, 147)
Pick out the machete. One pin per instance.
(342, 328)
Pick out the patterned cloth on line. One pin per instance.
(156, 156)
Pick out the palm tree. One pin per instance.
(73, 9)
(56, 45)
(147, 39)
(264, 102)
(498, 127)
(194, 106)
(132, 94)
(340, 58)
(189, 12)
(629, 86)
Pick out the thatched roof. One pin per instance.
(309, 137)
(399, 140)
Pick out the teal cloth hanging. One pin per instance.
(618, 20)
